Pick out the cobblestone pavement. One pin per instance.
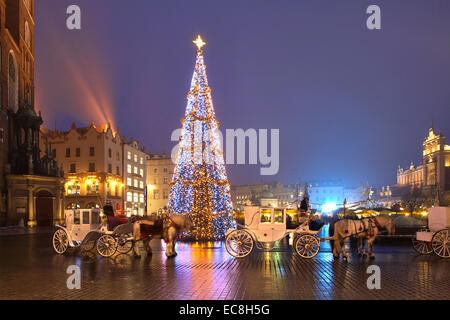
(29, 269)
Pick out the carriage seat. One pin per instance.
(114, 221)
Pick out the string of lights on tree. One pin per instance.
(199, 185)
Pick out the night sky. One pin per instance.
(350, 103)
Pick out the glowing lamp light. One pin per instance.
(329, 207)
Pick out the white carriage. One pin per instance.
(86, 229)
(437, 237)
(264, 226)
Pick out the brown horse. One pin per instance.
(167, 228)
(364, 229)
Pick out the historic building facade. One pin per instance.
(134, 178)
(160, 170)
(31, 186)
(433, 174)
(91, 158)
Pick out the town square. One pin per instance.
(224, 151)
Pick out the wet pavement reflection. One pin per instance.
(29, 269)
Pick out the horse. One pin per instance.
(362, 230)
(167, 228)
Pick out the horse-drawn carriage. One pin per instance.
(84, 229)
(264, 226)
(437, 237)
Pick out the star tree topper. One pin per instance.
(199, 42)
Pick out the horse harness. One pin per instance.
(372, 223)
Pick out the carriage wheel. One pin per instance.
(307, 246)
(60, 241)
(441, 243)
(106, 246)
(239, 243)
(421, 247)
(123, 245)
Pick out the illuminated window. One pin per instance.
(266, 215)
(135, 197)
(129, 155)
(278, 216)
(141, 198)
(135, 158)
(135, 170)
(141, 172)
(141, 184)
(92, 186)
(129, 182)
(129, 196)
(142, 161)
(129, 168)
(136, 183)
(73, 187)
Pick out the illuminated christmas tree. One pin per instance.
(199, 185)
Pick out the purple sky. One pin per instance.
(350, 103)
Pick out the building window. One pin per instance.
(92, 205)
(92, 186)
(135, 158)
(129, 183)
(155, 195)
(155, 181)
(73, 205)
(135, 197)
(129, 155)
(91, 167)
(118, 156)
(141, 198)
(129, 168)
(118, 171)
(135, 170)
(91, 151)
(110, 152)
(136, 183)
(141, 172)
(27, 35)
(109, 168)
(141, 184)
(165, 195)
(67, 152)
(166, 180)
(129, 197)
(77, 152)
(73, 168)
(73, 187)
(155, 170)
(142, 161)
(165, 170)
